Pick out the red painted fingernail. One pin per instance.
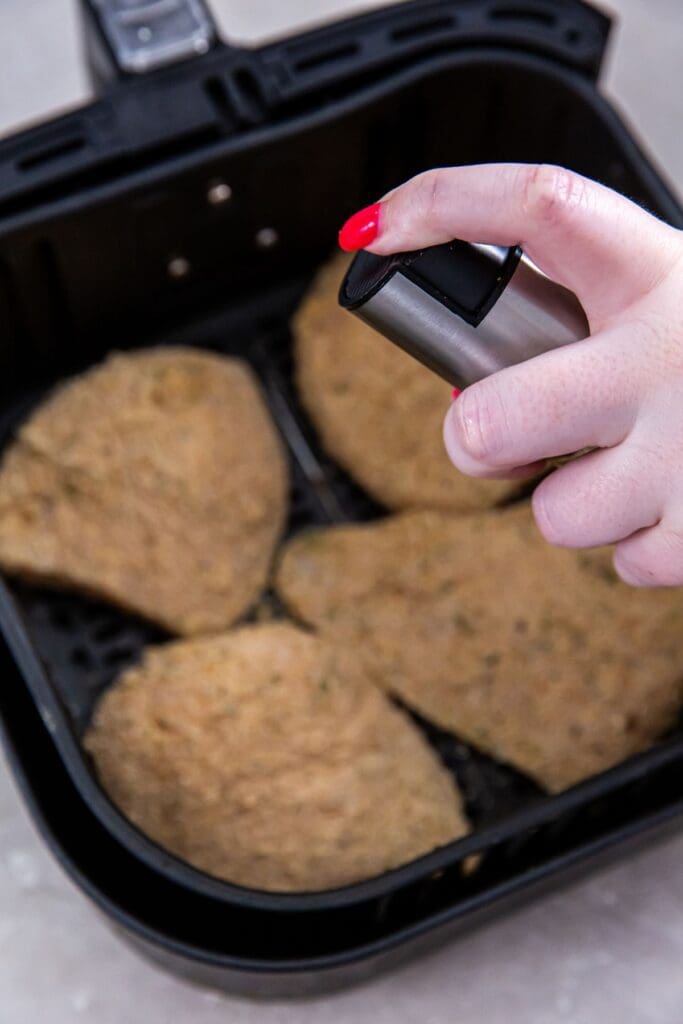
(454, 393)
(361, 229)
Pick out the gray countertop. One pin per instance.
(607, 950)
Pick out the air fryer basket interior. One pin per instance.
(302, 178)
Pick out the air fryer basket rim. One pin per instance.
(44, 694)
(45, 698)
(391, 949)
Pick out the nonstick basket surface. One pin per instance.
(349, 128)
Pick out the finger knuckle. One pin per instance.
(429, 195)
(658, 565)
(550, 517)
(631, 570)
(481, 424)
(551, 194)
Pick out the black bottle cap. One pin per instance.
(463, 277)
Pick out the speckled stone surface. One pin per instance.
(606, 951)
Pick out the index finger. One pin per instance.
(584, 235)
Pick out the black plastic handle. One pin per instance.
(228, 90)
(141, 36)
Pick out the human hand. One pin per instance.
(619, 391)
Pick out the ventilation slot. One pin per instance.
(52, 291)
(249, 94)
(82, 658)
(317, 60)
(417, 29)
(118, 656)
(14, 328)
(109, 630)
(215, 88)
(523, 14)
(57, 151)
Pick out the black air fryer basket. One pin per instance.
(192, 203)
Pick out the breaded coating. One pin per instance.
(262, 757)
(377, 411)
(536, 655)
(156, 481)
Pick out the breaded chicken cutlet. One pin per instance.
(538, 656)
(156, 481)
(263, 757)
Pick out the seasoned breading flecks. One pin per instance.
(156, 481)
(262, 757)
(537, 655)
